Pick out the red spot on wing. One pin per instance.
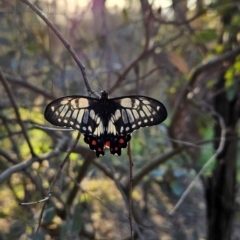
(107, 144)
(121, 140)
(94, 142)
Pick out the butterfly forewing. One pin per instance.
(76, 112)
(134, 112)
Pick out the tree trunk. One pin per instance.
(221, 186)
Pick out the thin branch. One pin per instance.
(17, 80)
(7, 157)
(207, 164)
(24, 165)
(123, 192)
(133, 64)
(15, 107)
(154, 163)
(142, 55)
(64, 161)
(130, 189)
(65, 43)
(103, 169)
(178, 23)
(212, 63)
(46, 199)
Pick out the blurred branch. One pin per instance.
(24, 165)
(145, 53)
(27, 171)
(151, 165)
(65, 43)
(15, 107)
(17, 81)
(212, 63)
(178, 23)
(7, 156)
(121, 78)
(130, 188)
(81, 174)
(55, 179)
(207, 164)
(10, 137)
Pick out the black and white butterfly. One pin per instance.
(105, 122)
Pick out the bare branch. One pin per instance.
(15, 107)
(207, 164)
(17, 81)
(65, 43)
(23, 165)
(212, 63)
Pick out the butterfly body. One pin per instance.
(105, 121)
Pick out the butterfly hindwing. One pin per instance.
(117, 143)
(114, 143)
(96, 144)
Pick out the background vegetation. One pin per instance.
(185, 54)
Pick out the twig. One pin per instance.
(41, 216)
(154, 163)
(212, 63)
(46, 199)
(130, 189)
(123, 192)
(141, 56)
(64, 161)
(17, 80)
(24, 165)
(133, 64)
(178, 23)
(65, 43)
(15, 107)
(206, 165)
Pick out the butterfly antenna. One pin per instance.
(116, 85)
(99, 88)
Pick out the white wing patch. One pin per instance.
(77, 102)
(99, 129)
(65, 101)
(80, 115)
(129, 102)
(111, 128)
(117, 114)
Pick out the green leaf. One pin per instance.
(205, 36)
(231, 91)
(49, 215)
(77, 218)
(237, 66)
(65, 229)
(39, 236)
(32, 47)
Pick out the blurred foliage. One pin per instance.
(130, 47)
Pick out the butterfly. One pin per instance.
(105, 122)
